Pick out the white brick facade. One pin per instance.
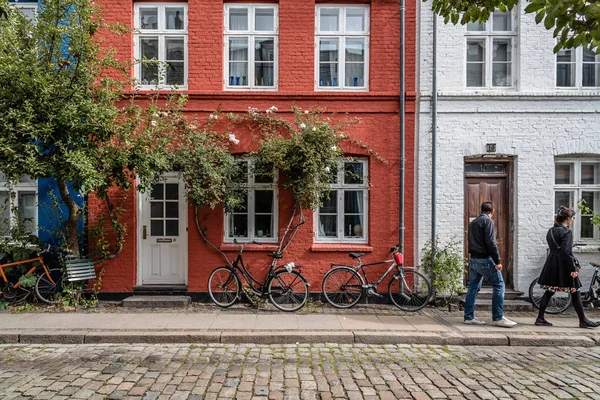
(534, 122)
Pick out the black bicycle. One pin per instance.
(343, 285)
(284, 285)
(561, 300)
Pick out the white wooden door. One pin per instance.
(162, 233)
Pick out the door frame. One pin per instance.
(139, 223)
(509, 165)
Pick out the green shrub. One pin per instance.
(445, 267)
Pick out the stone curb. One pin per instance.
(293, 337)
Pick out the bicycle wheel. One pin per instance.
(558, 303)
(410, 292)
(47, 291)
(15, 296)
(224, 287)
(342, 287)
(288, 291)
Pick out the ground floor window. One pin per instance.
(343, 216)
(256, 217)
(18, 205)
(578, 179)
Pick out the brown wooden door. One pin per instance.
(482, 188)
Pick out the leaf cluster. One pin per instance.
(445, 265)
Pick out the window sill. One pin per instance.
(249, 247)
(345, 247)
(590, 248)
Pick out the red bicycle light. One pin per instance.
(399, 258)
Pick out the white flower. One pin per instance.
(213, 116)
(303, 125)
(314, 128)
(306, 111)
(334, 148)
(271, 109)
(327, 169)
(233, 139)
(153, 123)
(164, 114)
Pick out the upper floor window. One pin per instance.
(343, 217)
(256, 217)
(29, 9)
(251, 42)
(161, 45)
(18, 205)
(490, 52)
(576, 180)
(577, 68)
(342, 47)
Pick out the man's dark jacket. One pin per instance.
(482, 238)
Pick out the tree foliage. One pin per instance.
(574, 22)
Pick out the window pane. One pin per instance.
(238, 19)
(148, 18)
(355, 50)
(264, 19)
(589, 174)
(29, 11)
(157, 228)
(355, 20)
(156, 209)
(327, 225)
(264, 55)
(4, 213)
(587, 228)
(353, 202)
(263, 201)
(475, 51)
(175, 49)
(502, 50)
(563, 199)
(240, 175)
(239, 225)
(329, 21)
(353, 226)
(263, 226)
(328, 49)
(238, 49)
(475, 27)
(149, 51)
(353, 173)
(264, 74)
(328, 74)
(263, 172)
(149, 48)
(157, 191)
(494, 168)
(501, 22)
(565, 74)
(172, 209)
(473, 168)
(355, 75)
(172, 227)
(501, 75)
(244, 203)
(329, 203)
(175, 73)
(563, 174)
(475, 75)
(27, 211)
(591, 69)
(238, 71)
(174, 17)
(172, 191)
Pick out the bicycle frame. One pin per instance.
(31, 260)
(238, 265)
(361, 268)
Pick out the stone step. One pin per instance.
(157, 301)
(509, 305)
(160, 290)
(509, 294)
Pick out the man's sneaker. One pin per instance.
(505, 323)
(474, 321)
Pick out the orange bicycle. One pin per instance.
(48, 285)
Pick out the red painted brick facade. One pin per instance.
(378, 110)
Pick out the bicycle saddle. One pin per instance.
(594, 264)
(356, 255)
(276, 255)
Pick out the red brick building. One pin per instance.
(342, 56)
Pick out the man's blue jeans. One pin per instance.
(484, 268)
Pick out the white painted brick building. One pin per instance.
(532, 122)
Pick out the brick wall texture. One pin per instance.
(379, 128)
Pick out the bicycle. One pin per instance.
(343, 285)
(561, 300)
(48, 285)
(286, 288)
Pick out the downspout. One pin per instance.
(402, 107)
(434, 138)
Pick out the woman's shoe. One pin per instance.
(589, 324)
(542, 322)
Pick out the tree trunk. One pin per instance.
(73, 218)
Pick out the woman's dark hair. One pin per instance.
(563, 214)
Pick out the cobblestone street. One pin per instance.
(297, 372)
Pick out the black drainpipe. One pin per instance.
(402, 120)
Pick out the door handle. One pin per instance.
(144, 232)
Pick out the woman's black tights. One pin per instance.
(577, 305)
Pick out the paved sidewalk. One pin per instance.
(430, 326)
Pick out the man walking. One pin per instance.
(485, 263)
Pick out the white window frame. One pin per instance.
(162, 33)
(27, 6)
(576, 188)
(339, 188)
(251, 34)
(342, 34)
(578, 70)
(251, 187)
(14, 191)
(488, 35)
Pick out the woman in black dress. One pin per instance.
(561, 271)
